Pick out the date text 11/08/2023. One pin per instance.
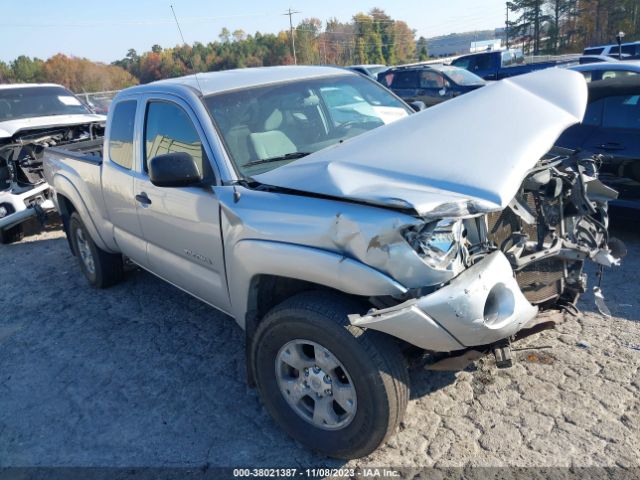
(316, 473)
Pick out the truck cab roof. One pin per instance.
(210, 83)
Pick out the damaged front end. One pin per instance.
(24, 193)
(508, 264)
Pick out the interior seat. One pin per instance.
(272, 143)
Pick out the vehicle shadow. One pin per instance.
(33, 226)
(425, 382)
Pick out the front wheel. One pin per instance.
(335, 388)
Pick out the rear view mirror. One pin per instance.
(176, 169)
(418, 105)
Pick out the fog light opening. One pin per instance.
(499, 306)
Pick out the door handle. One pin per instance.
(611, 146)
(143, 199)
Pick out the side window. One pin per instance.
(405, 80)
(386, 78)
(593, 115)
(486, 61)
(169, 129)
(121, 135)
(622, 112)
(587, 76)
(593, 51)
(431, 80)
(464, 62)
(616, 74)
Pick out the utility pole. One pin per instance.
(293, 38)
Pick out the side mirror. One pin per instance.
(418, 105)
(176, 169)
(442, 92)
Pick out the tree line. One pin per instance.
(562, 26)
(369, 38)
(77, 74)
(374, 37)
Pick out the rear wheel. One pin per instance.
(102, 269)
(335, 388)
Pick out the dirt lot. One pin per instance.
(144, 375)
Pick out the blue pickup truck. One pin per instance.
(499, 64)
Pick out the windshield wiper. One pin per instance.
(287, 156)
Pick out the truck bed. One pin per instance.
(85, 150)
(79, 164)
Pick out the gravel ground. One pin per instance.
(143, 375)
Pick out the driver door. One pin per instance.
(181, 226)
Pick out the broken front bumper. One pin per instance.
(480, 306)
(18, 207)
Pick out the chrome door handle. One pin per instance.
(143, 199)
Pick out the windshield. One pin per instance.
(266, 127)
(28, 102)
(462, 76)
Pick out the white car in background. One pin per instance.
(33, 116)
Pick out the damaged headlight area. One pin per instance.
(439, 243)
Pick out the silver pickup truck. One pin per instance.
(342, 231)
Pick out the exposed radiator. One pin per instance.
(541, 281)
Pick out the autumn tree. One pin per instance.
(83, 75)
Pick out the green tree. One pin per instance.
(239, 35)
(529, 22)
(307, 41)
(384, 26)
(5, 73)
(26, 69)
(225, 35)
(423, 51)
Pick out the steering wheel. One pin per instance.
(346, 126)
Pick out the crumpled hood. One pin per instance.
(9, 128)
(464, 156)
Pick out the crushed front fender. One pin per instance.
(480, 306)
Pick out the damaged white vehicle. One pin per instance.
(33, 116)
(341, 231)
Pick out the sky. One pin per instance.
(105, 30)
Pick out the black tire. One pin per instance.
(108, 267)
(373, 361)
(11, 235)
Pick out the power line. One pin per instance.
(110, 23)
